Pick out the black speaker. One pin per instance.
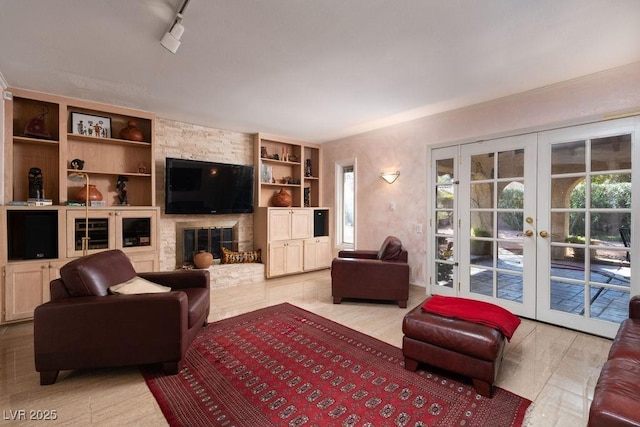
(41, 235)
(320, 222)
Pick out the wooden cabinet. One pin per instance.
(286, 237)
(317, 253)
(287, 224)
(130, 230)
(48, 140)
(285, 257)
(284, 163)
(26, 286)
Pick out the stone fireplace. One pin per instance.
(192, 237)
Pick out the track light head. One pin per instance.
(171, 39)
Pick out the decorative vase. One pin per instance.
(94, 194)
(203, 259)
(282, 199)
(131, 132)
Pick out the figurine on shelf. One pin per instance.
(77, 164)
(35, 184)
(307, 167)
(37, 126)
(121, 187)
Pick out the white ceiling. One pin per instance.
(315, 70)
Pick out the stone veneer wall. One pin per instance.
(188, 141)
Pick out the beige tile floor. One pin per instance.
(554, 367)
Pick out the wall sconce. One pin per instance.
(390, 177)
(79, 177)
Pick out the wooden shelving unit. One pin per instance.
(296, 169)
(39, 134)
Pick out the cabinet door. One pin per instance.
(143, 263)
(317, 253)
(293, 256)
(310, 250)
(101, 231)
(301, 223)
(277, 259)
(136, 230)
(323, 252)
(279, 224)
(26, 287)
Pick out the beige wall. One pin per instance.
(404, 147)
(187, 141)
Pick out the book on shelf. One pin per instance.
(267, 174)
(39, 202)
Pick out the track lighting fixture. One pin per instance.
(171, 39)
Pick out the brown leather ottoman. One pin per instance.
(466, 348)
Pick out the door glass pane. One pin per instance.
(510, 224)
(444, 222)
(481, 224)
(510, 255)
(567, 297)
(98, 233)
(444, 171)
(482, 196)
(481, 281)
(444, 196)
(482, 167)
(511, 164)
(609, 304)
(510, 286)
(136, 232)
(568, 157)
(611, 191)
(445, 274)
(511, 195)
(611, 153)
(567, 192)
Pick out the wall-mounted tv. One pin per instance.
(199, 187)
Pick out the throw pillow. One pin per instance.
(231, 257)
(138, 285)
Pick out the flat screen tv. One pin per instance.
(199, 187)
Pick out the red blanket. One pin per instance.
(474, 311)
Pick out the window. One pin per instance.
(346, 203)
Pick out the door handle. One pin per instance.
(544, 234)
(528, 233)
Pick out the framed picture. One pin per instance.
(86, 124)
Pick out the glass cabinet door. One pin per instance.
(135, 230)
(97, 227)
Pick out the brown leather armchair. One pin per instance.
(84, 326)
(374, 275)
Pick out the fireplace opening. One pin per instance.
(193, 238)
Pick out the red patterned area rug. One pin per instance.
(285, 366)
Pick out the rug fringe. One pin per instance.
(527, 421)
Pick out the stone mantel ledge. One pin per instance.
(226, 275)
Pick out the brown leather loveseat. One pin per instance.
(616, 400)
(370, 274)
(84, 326)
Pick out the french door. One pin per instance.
(539, 224)
(587, 179)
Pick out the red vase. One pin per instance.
(94, 194)
(282, 199)
(131, 132)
